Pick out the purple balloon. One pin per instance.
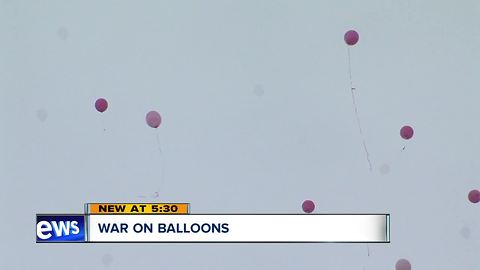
(308, 206)
(101, 105)
(406, 132)
(153, 119)
(474, 196)
(351, 37)
(403, 264)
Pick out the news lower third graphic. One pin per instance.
(60, 228)
(173, 223)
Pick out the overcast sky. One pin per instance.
(257, 117)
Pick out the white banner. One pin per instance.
(248, 228)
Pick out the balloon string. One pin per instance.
(162, 164)
(158, 143)
(367, 154)
(368, 254)
(103, 124)
(405, 146)
(350, 69)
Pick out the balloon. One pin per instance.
(406, 132)
(101, 105)
(258, 90)
(308, 206)
(465, 232)
(42, 115)
(351, 37)
(403, 264)
(62, 33)
(107, 259)
(474, 196)
(384, 169)
(153, 119)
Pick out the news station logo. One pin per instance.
(60, 228)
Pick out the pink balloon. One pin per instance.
(101, 105)
(403, 264)
(153, 119)
(474, 196)
(351, 37)
(308, 206)
(406, 132)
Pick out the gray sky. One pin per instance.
(257, 116)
